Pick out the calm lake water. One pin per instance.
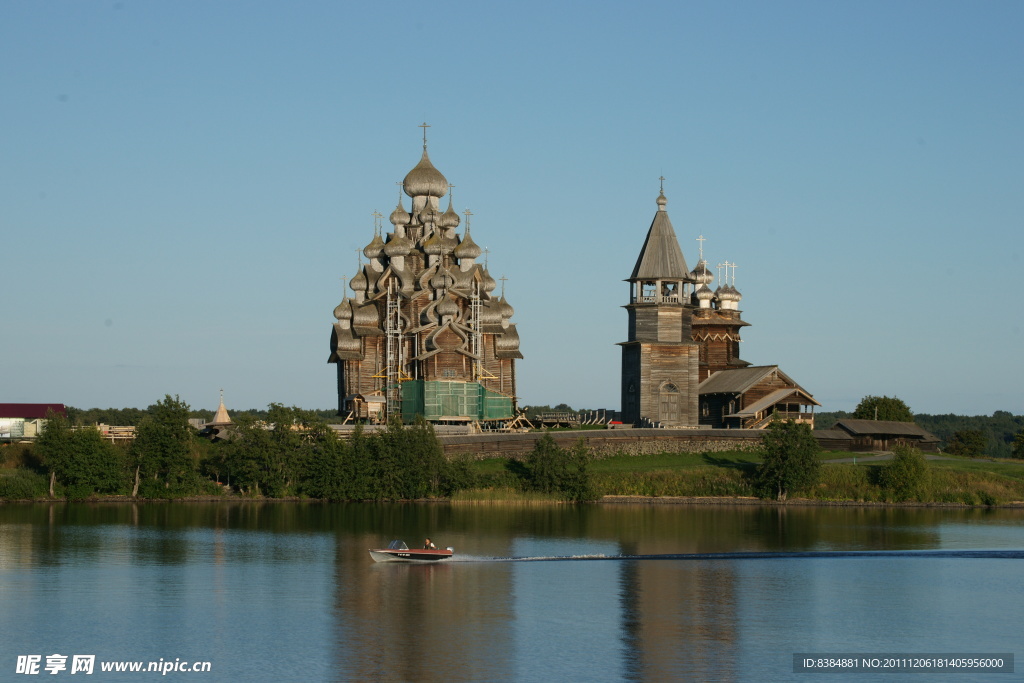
(287, 591)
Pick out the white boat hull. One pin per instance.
(408, 555)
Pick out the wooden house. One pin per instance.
(752, 397)
(883, 435)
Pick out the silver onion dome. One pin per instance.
(343, 311)
(505, 308)
(359, 282)
(398, 246)
(400, 216)
(375, 248)
(487, 282)
(701, 274)
(467, 248)
(449, 219)
(425, 180)
(447, 306)
(442, 279)
(433, 246)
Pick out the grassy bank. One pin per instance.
(730, 475)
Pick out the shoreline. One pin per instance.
(608, 500)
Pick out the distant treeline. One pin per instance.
(132, 417)
(999, 429)
(279, 453)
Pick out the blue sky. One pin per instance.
(184, 185)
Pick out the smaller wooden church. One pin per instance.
(681, 364)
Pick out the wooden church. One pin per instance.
(681, 364)
(425, 333)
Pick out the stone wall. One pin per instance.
(605, 443)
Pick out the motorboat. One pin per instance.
(398, 551)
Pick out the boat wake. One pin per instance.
(782, 555)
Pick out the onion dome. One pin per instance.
(359, 282)
(425, 180)
(442, 279)
(400, 216)
(398, 246)
(505, 308)
(662, 201)
(449, 219)
(343, 311)
(728, 293)
(704, 293)
(701, 274)
(487, 282)
(448, 244)
(467, 248)
(447, 306)
(375, 249)
(365, 316)
(429, 215)
(433, 246)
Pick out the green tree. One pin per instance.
(789, 459)
(325, 474)
(55, 448)
(81, 460)
(883, 408)
(357, 467)
(250, 455)
(1018, 445)
(545, 466)
(578, 484)
(906, 474)
(548, 468)
(970, 442)
(162, 454)
(293, 433)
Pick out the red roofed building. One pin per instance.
(20, 421)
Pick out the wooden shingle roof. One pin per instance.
(740, 379)
(884, 428)
(661, 258)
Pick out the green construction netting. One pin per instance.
(452, 400)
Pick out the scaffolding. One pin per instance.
(480, 373)
(476, 338)
(394, 371)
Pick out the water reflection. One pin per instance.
(287, 590)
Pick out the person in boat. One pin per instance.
(429, 545)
